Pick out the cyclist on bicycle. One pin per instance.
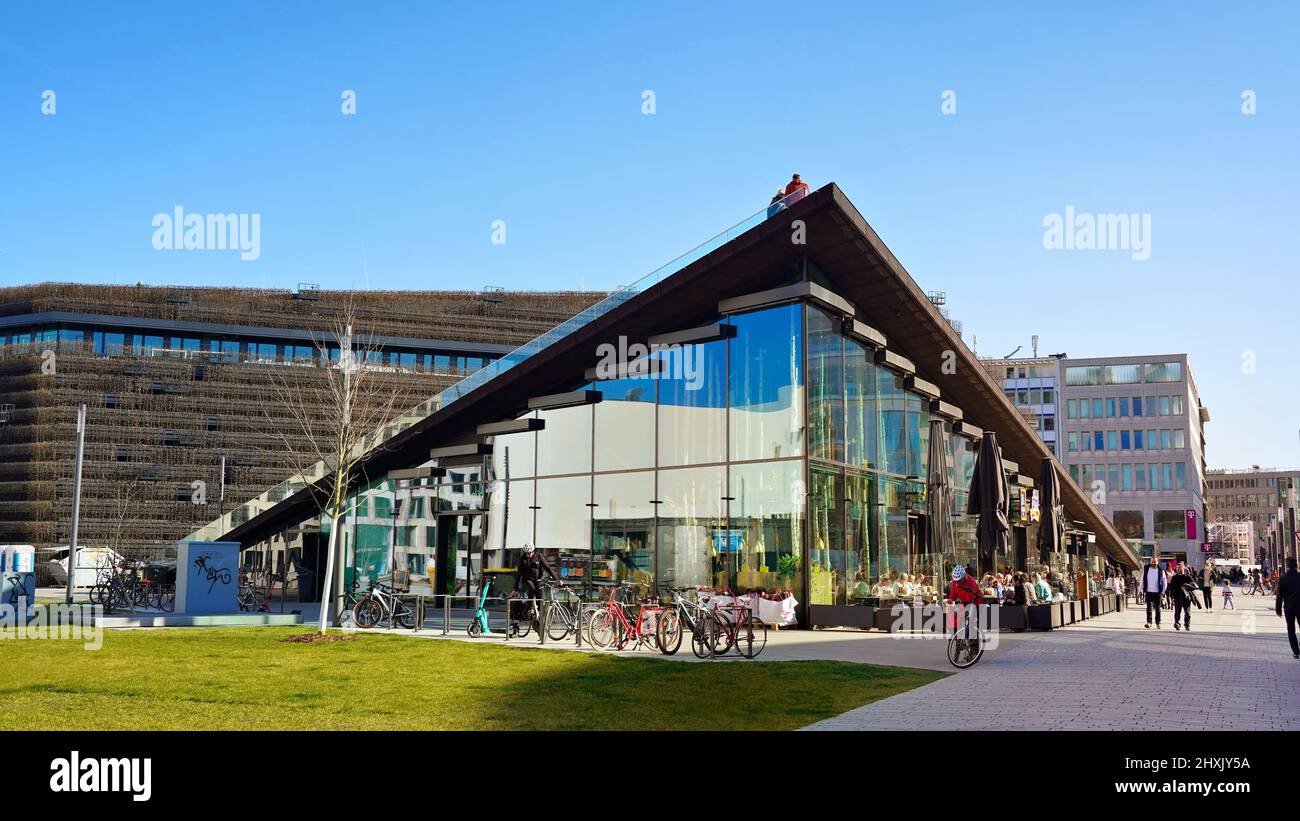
(964, 590)
(528, 573)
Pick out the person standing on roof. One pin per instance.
(795, 190)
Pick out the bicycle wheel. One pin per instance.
(404, 617)
(367, 613)
(96, 594)
(670, 631)
(963, 652)
(723, 637)
(167, 599)
(602, 630)
(751, 636)
(559, 622)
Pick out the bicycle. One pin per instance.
(966, 646)
(698, 618)
(740, 629)
(610, 629)
(562, 619)
(382, 602)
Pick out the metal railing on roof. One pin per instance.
(265, 501)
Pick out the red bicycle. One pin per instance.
(610, 628)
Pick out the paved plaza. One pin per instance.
(1111, 673)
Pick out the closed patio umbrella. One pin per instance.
(990, 497)
(939, 494)
(1051, 524)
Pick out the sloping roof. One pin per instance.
(862, 270)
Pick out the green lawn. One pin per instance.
(246, 678)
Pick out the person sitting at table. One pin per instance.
(1041, 591)
(1021, 593)
(884, 588)
(861, 589)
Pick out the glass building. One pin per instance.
(775, 440)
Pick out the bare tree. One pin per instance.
(329, 420)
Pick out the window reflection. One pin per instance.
(625, 424)
(825, 388)
(692, 405)
(766, 420)
(766, 527)
(623, 528)
(691, 525)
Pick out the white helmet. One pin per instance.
(528, 547)
(959, 572)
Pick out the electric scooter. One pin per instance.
(479, 624)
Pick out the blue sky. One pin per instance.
(531, 112)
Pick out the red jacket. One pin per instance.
(966, 591)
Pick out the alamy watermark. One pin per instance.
(52, 622)
(179, 231)
(637, 360)
(1082, 231)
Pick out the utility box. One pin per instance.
(207, 577)
(17, 574)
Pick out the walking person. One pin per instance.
(1153, 585)
(1181, 585)
(1226, 591)
(1288, 602)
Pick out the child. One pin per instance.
(1227, 595)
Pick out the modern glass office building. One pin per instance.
(757, 417)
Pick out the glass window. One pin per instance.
(623, 527)
(1098, 410)
(1049, 397)
(826, 559)
(692, 403)
(691, 523)
(1165, 442)
(1177, 404)
(1140, 476)
(564, 445)
(891, 399)
(1111, 443)
(767, 511)
(625, 424)
(1110, 407)
(1072, 441)
(1130, 523)
(1123, 374)
(1170, 524)
(1084, 405)
(1180, 476)
(1126, 476)
(1167, 475)
(510, 514)
(563, 520)
(514, 456)
(1180, 438)
(1090, 375)
(862, 438)
(1137, 439)
(1164, 372)
(766, 415)
(1124, 442)
(1123, 406)
(1137, 406)
(1072, 409)
(825, 387)
(1153, 440)
(1112, 478)
(1098, 440)
(1164, 406)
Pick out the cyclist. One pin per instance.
(965, 591)
(528, 573)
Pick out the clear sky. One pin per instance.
(531, 113)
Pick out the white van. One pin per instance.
(90, 560)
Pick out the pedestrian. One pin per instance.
(1181, 585)
(795, 190)
(1225, 590)
(776, 204)
(1288, 602)
(1153, 585)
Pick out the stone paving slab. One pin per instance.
(1111, 673)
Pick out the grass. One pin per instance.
(246, 678)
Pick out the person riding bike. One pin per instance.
(964, 590)
(528, 573)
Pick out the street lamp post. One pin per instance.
(76, 501)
